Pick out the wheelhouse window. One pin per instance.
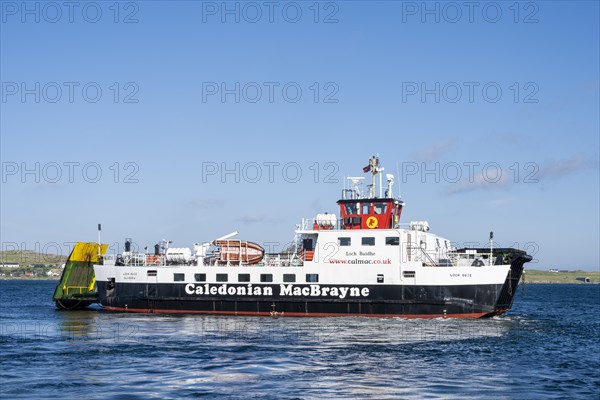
(243, 277)
(380, 208)
(179, 277)
(344, 241)
(222, 278)
(289, 278)
(392, 241)
(351, 208)
(368, 241)
(366, 208)
(200, 277)
(266, 277)
(312, 278)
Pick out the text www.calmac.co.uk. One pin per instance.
(359, 261)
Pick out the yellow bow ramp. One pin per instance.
(76, 288)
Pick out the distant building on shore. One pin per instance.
(9, 265)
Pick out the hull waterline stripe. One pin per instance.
(301, 314)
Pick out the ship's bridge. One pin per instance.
(360, 210)
(370, 213)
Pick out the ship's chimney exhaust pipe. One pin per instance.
(99, 243)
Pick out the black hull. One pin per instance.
(409, 301)
(385, 300)
(517, 265)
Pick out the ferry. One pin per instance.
(362, 262)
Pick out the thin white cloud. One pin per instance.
(552, 170)
(558, 169)
(478, 183)
(435, 151)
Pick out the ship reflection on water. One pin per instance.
(308, 356)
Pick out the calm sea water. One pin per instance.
(546, 347)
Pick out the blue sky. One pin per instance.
(499, 102)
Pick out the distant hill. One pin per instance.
(538, 276)
(27, 258)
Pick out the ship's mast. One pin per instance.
(373, 164)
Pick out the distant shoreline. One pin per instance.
(30, 278)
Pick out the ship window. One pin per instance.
(178, 277)
(344, 241)
(380, 208)
(307, 244)
(266, 277)
(380, 278)
(392, 241)
(312, 278)
(368, 241)
(151, 273)
(289, 277)
(222, 278)
(408, 274)
(243, 277)
(351, 209)
(365, 208)
(200, 277)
